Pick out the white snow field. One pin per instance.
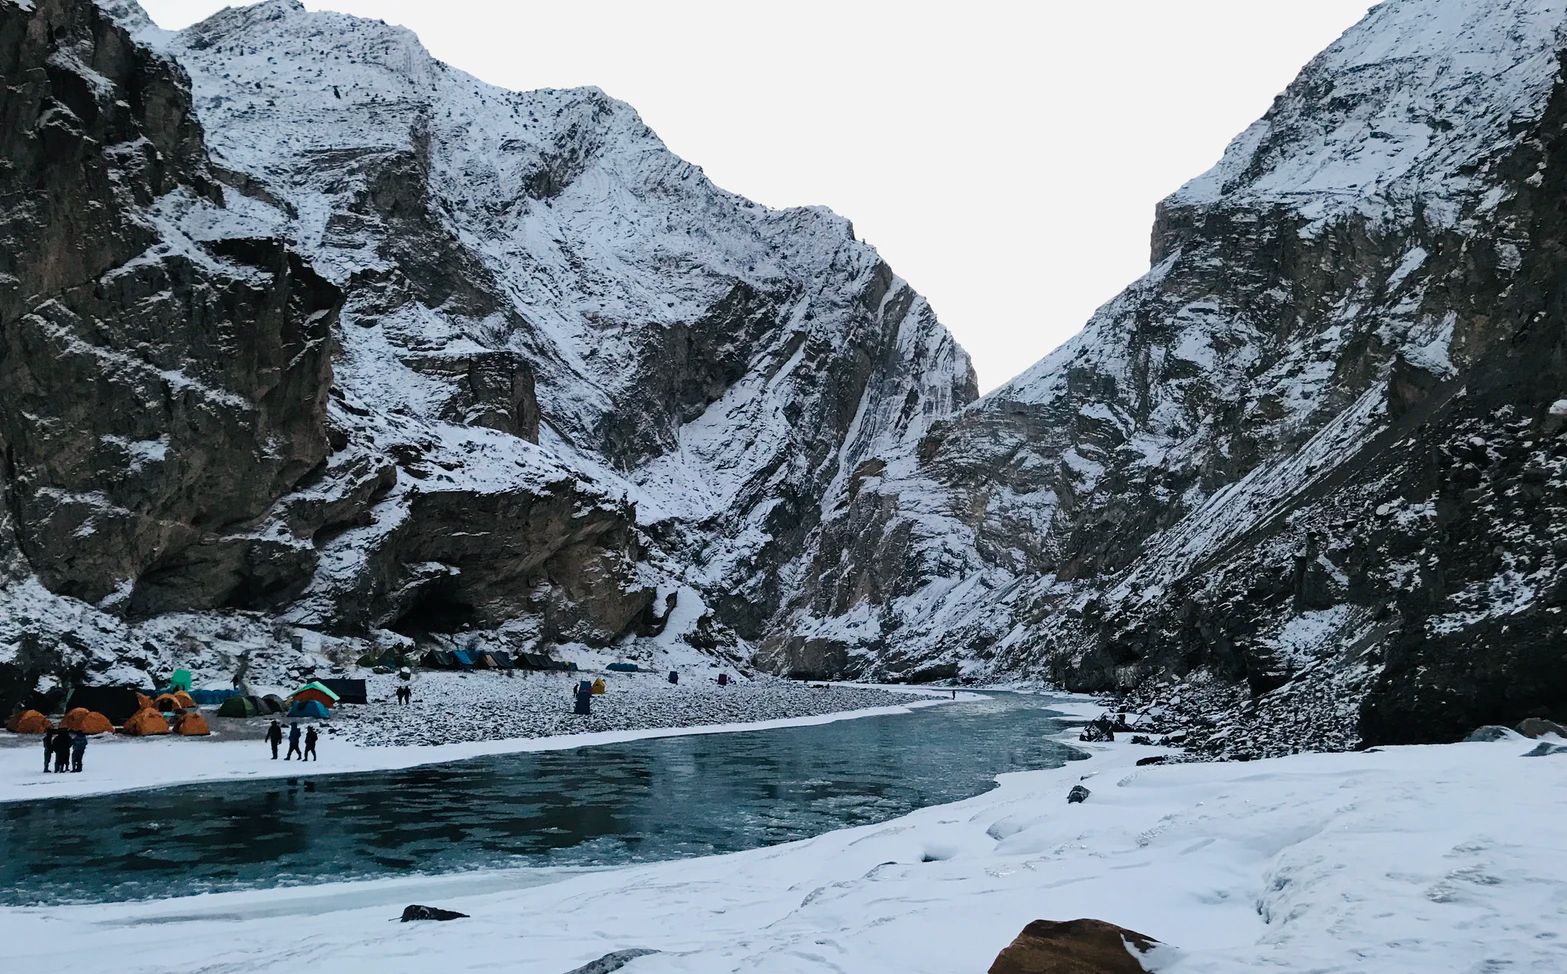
(1418, 859)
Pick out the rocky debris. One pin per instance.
(1540, 727)
(1077, 795)
(415, 912)
(612, 962)
(1490, 734)
(1074, 947)
(1154, 759)
(452, 708)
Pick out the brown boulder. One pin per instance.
(1074, 947)
(1539, 727)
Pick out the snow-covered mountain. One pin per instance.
(1308, 468)
(310, 338)
(550, 382)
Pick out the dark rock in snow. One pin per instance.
(1491, 732)
(1077, 794)
(610, 963)
(1544, 749)
(1540, 727)
(1074, 947)
(416, 912)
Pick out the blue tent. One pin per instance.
(622, 667)
(309, 708)
(464, 658)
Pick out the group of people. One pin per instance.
(405, 695)
(65, 749)
(275, 738)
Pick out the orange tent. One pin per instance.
(166, 704)
(184, 700)
(193, 725)
(147, 723)
(86, 721)
(28, 722)
(316, 695)
(144, 702)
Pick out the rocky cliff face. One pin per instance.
(308, 335)
(311, 343)
(1307, 474)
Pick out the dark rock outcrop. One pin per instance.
(416, 912)
(1074, 947)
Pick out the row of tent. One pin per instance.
(145, 722)
(462, 659)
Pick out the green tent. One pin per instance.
(180, 680)
(237, 707)
(309, 690)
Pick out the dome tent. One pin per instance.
(180, 680)
(118, 704)
(28, 722)
(309, 708)
(185, 700)
(192, 725)
(319, 692)
(86, 721)
(167, 704)
(146, 723)
(270, 704)
(237, 707)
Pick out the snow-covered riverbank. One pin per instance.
(495, 716)
(1430, 859)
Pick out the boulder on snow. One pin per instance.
(417, 912)
(1074, 947)
(1077, 794)
(612, 962)
(1542, 750)
(1154, 759)
(1539, 727)
(1489, 733)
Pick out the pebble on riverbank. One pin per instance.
(453, 708)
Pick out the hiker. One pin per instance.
(293, 742)
(48, 747)
(62, 751)
(584, 699)
(275, 737)
(310, 745)
(78, 749)
(674, 677)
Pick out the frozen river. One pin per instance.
(644, 801)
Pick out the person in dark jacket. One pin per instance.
(48, 747)
(62, 751)
(293, 743)
(78, 749)
(584, 699)
(310, 744)
(275, 737)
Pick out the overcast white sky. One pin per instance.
(1004, 157)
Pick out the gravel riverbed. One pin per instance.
(452, 708)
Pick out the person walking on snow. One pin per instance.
(293, 743)
(275, 737)
(49, 747)
(78, 749)
(310, 745)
